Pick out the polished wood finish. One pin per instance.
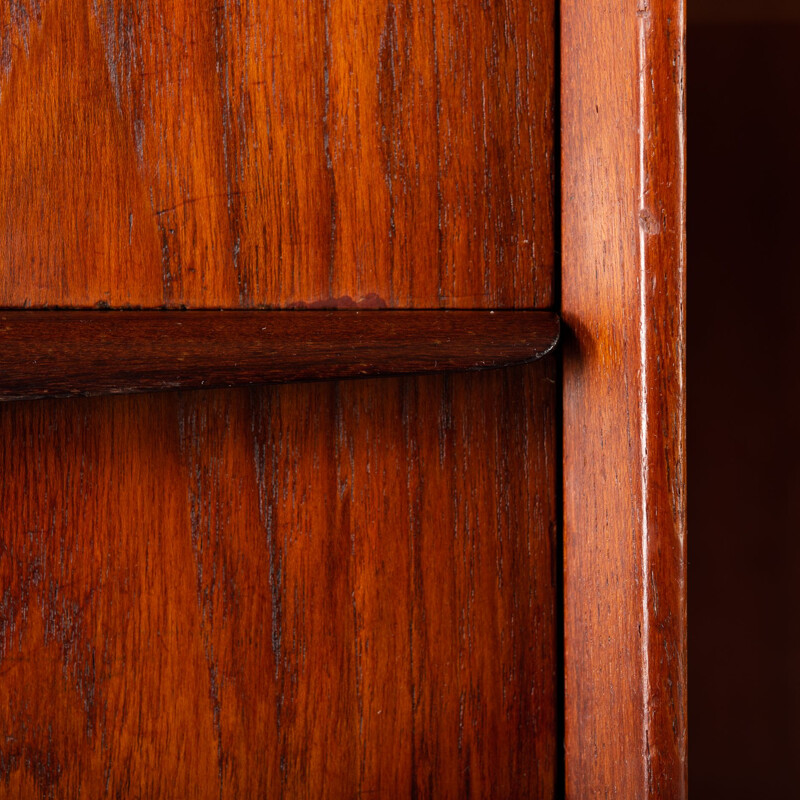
(624, 461)
(45, 353)
(320, 590)
(273, 154)
(333, 589)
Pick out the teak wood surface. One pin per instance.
(318, 590)
(623, 290)
(58, 353)
(181, 152)
(313, 590)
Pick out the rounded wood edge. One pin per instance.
(74, 352)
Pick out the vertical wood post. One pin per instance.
(623, 296)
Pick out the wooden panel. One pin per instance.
(318, 590)
(624, 423)
(275, 154)
(62, 353)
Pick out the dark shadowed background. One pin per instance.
(744, 397)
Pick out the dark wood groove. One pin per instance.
(62, 353)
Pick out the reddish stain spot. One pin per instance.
(368, 301)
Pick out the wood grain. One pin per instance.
(313, 590)
(624, 398)
(257, 154)
(323, 590)
(57, 353)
